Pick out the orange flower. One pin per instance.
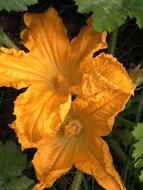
(53, 70)
(79, 142)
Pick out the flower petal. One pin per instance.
(102, 72)
(19, 69)
(98, 113)
(93, 157)
(46, 35)
(85, 44)
(39, 112)
(53, 159)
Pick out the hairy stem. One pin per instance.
(77, 181)
(111, 141)
(5, 40)
(114, 145)
(140, 107)
(113, 41)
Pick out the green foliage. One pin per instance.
(135, 9)
(12, 163)
(109, 14)
(16, 5)
(21, 183)
(124, 136)
(138, 148)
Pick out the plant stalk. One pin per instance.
(5, 40)
(111, 141)
(113, 41)
(117, 149)
(77, 181)
(140, 107)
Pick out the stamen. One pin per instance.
(62, 82)
(73, 128)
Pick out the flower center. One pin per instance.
(62, 82)
(73, 128)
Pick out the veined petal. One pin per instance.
(93, 157)
(45, 34)
(102, 72)
(53, 159)
(39, 112)
(19, 69)
(85, 44)
(98, 112)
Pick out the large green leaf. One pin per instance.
(138, 148)
(109, 14)
(16, 5)
(135, 9)
(21, 183)
(12, 164)
(12, 161)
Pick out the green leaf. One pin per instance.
(12, 164)
(22, 183)
(123, 136)
(141, 176)
(107, 14)
(12, 161)
(138, 148)
(135, 9)
(16, 5)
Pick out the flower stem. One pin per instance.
(140, 107)
(117, 149)
(77, 180)
(113, 41)
(5, 40)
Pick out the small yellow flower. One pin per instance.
(53, 70)
(79, 143)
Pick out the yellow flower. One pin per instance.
(65, 133)
(79, 143)
(53, 70)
